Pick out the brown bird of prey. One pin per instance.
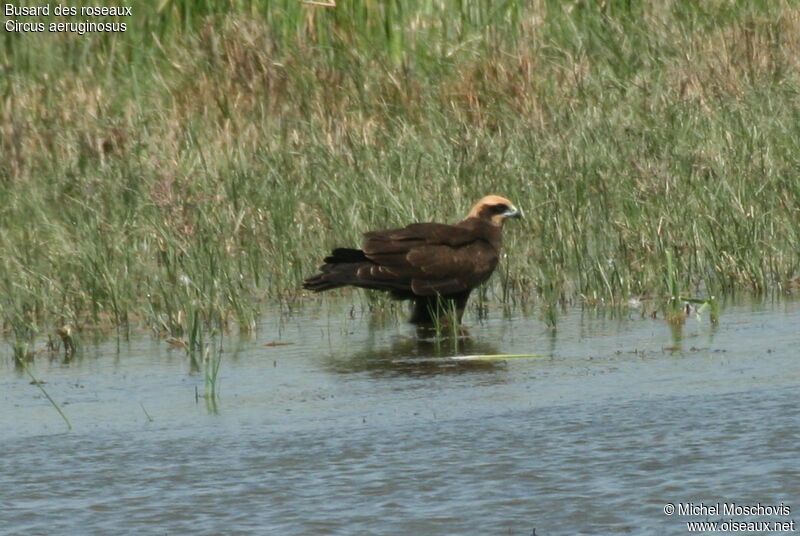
(432, 264)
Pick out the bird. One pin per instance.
(435, 265)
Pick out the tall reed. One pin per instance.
(185, 173)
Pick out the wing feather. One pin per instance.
(421, 233)
(429, 258)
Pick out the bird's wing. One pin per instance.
(419, 233)
(429, 258)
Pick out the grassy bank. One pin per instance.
(181, 173)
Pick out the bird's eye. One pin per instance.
(500, 209)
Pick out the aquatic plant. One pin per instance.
(186, 172)
(211, 363)
(40, 385)
(446, 326)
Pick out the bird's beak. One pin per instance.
(513, 212)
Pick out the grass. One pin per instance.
(40, 385)
(187, 173)
(211, 363)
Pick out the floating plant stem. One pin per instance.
(38, 384)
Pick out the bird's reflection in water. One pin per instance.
(421, 355)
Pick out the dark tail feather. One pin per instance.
(340, 255)
(340, 269)
(320, 282)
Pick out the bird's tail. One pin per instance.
(340, 269)
(346, 255)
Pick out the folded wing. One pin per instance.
(426, 259)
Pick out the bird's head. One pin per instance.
(494, 209)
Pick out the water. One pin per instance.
(358, 428)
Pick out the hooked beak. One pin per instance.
(513, 212)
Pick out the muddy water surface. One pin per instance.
(359, 428)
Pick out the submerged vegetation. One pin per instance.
(180, 174)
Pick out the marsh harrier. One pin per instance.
(429, 263)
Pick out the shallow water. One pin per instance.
(358, 428)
